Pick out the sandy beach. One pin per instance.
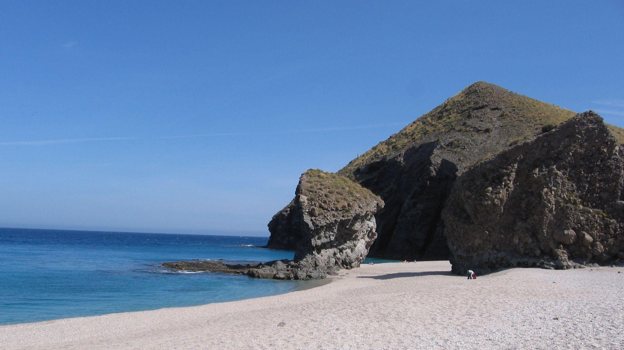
(384, 306)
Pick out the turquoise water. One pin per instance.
(52, 274)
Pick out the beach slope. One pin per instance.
(384, 306)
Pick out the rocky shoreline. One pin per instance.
(334, 219)
(491, 179)
(278, 269)
(479, 181)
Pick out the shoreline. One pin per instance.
(311, 284)
(305, 285)
(382, 306)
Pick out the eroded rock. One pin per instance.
(553, 202)
(334, 219)
(565, 236)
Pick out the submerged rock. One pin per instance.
(279, 269)
(209, 265)
(554, 201)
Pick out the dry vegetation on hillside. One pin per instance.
(331, 192)
(519, 118)
(617, 132)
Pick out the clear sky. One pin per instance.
(196, 116)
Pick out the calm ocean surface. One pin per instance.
(52, 274)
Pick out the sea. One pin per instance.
(54, 274)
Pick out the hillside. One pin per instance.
(518, 118)
(617, 132)
(480, 109)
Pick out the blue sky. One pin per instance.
(199, 116)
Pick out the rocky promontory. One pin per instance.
(554, 201)
(414, 170)
(333, 219)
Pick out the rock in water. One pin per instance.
(334, 220)
(547, 202)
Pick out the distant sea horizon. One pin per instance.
(194, 232)
(51, 274)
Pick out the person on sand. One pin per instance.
(471, 275)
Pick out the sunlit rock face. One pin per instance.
(333, 221)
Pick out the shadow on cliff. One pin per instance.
(409, 274)
(414, 186)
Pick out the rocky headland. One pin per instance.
(415, 170)
(553, 201)
(333, 219)
(489, 179)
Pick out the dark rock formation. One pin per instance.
(210, 265)
(415, 185)
(414, 170)
(284, 228)
(290, 270)
(334, 220)
(546, 202)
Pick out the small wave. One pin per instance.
(163, 270)
(170, 271)
(189, 272)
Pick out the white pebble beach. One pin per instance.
(383, 306)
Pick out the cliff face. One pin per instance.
(541, 203)
(285, 228)
(415, 185)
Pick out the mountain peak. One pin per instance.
(479, 85)
(483, 88)
(482, 112)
